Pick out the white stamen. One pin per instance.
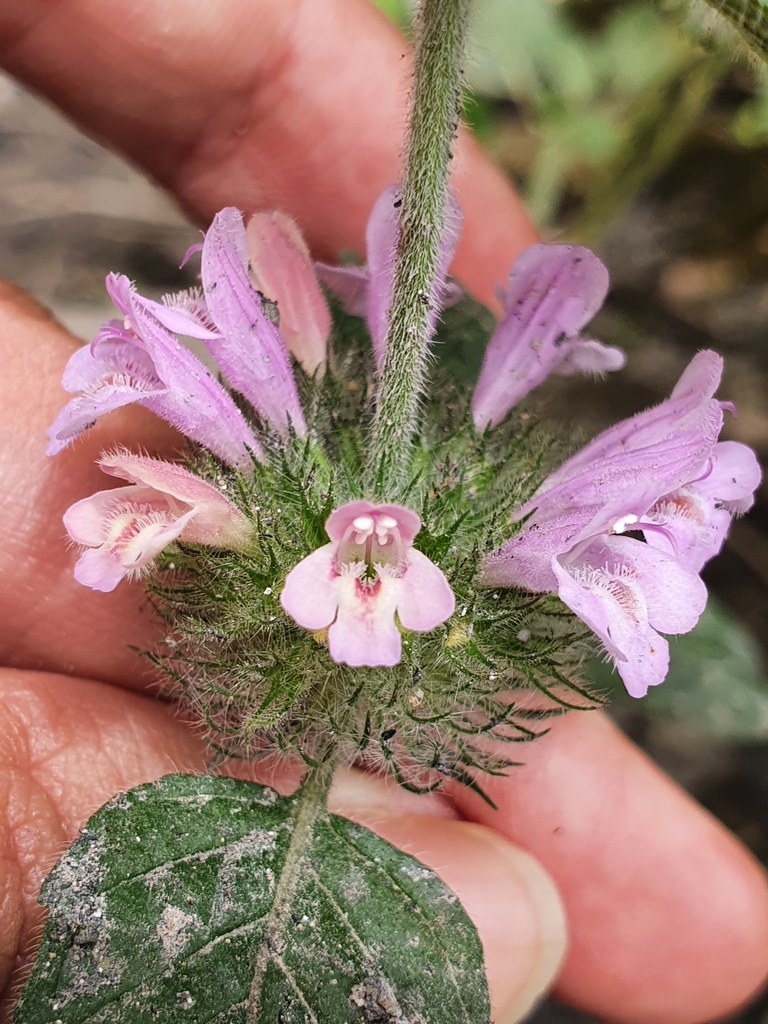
(621, 524)
(364, 524)
(384, 525)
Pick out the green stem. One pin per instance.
(441, 35)
(310, 804)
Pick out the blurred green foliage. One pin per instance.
(610, 97)
(715, 686)
(585, 102)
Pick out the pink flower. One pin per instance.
(625, 591)
(552, 292)
(661, 473)
(355, 585)
(124, 529)
(138, 360)
(367, 291)
(281, 269)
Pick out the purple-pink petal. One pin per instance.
(693, 521)
(124, 529)
(643, 457)
(381, 248)
(139, 360)
(686, 525)
(552, 292)
(369, 291)
(248, 349)
(120, 291)
(309, 595)
(339, 521)
(675, 595)
(364, 633)
(583, 355)
(525, 560)
(685, 426)
(120, 374)
(99, 570)
(350, 284)
(733, 477)
(641, 655)
(625, 591)
(425, 599)
(281, 269)
(179, 319)
(195, 402)
(216, 521)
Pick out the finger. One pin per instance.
(668, 912)
(66, 746)
(47, 620)
(276, 103)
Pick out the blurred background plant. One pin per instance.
(638, 129)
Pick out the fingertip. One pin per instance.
(701, 959)
(511, 900)
(668, 911)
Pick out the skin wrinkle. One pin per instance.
(31, 837)
(279, 103)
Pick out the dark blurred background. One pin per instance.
(625, 130)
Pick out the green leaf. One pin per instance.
(197, 899)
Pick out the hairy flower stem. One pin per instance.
(441, 34)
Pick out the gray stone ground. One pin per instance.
(70, 212)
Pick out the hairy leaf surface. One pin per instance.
(197, 899)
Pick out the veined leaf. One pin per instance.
(202, 899)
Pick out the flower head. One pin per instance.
(355, 585)
(661, 473)
(552, 292)
(124, 529)
(367, 291)
(138, 360)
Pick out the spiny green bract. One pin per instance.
(505, 661)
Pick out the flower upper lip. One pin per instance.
(551, 293)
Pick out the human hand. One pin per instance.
(279, 103)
